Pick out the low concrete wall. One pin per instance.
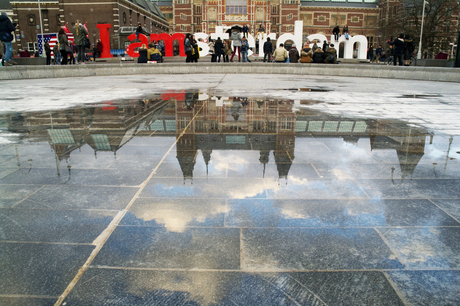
(36, 61)
(432, 62)
(349, 70)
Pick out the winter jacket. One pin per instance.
(318, 56)
(336, 30)
(228, 47)
(187, 45)
(62, 41)
(294, 55)
(142, 56)
(331, 51)
(268, 47)
(398, 46)
(219, 47)
(408, 48)
(306, 55)
(280, 54)
(6, 27)
(236, 38)
(244, 46)
(152, 51)
(81, 34)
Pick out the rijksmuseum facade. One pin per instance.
(276, 16)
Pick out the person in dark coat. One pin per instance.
(336, 32)
(325, 46)
(138, 30)
(6, 35)
(318, 56)
(331, 55)
(99, 48)
(48, 53)
(398, 49)
(370, 54)
(63, 43)
(142, 55)
(268, 50)
(294, 54)
(218, 48)
(408, 49)
(245, 30)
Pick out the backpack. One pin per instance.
(330, 58)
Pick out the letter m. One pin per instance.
(169, 42)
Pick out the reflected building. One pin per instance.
(203, 123)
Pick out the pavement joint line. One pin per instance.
(444, 210)
(105, 235)
(303, 285)
(390, 247)
(288, 295)
(27, 198)
(395, 288)
(44, 242)
(28, 296)
(296, 227)
(265, 270)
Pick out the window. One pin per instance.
(236, 7)
(289, 17)
(274, 20)
(183, 28)
(32, 46)
(183, 16)
(124, 17)
(31, 19)
(58, 20)
(289, 28)
(145, 20)
(198, 9)
(138, 16)
(290, 1)
(198, 20)
(182, 1)
(274, 10)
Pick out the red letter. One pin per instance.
(169, 42)
(131, 47)
(105, 39)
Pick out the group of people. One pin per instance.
(154, 53)
(6, 37)
(315, 54)
(402, 49)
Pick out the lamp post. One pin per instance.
(41, 25)
(452, 52)
(419, 53)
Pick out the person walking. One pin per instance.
(268, 50)
(236, 39)
(63, 45)
(48, 53)
(79, 34)
(244, 49)
(280, 54)
(398, 49)
(218, 49)
(6, 36)
(294, 54)
(336, 32)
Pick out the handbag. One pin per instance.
(68, 49)
(85, 42)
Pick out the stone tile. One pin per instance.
(6, 159)
(416, 188)
(428, 288)
(6, 171)
(452, 206)
(138, 162)
(153, 247)
(78, 177)
(236, 188)
(427, 247)
(315, 249)
(176, 214)
(5, 301)
(46, 225)
(134, 287)
(39, 269)
(335, 213)
(80, 197)
(172, 169)
(12, 194)
(302, 188)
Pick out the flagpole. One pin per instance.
(41, 26)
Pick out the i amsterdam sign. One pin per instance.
(359, 40)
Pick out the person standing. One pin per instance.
(245, 30)
(196, 50)
(236, 39)
(370, 53)
(218, 48)
(268, 50)
(408, 49)
(244, 49)
(63, 43)
(325, 46)
(398, 49)
(99, 48)
(48, 53)
(280, 54)
(188, 47)
(379, 53)
(227, 50)
(57, 54)
(294, 54)
(6, 29)
(336, 32)
(212, 50)
(79, 33)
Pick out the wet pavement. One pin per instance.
(182, 198)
